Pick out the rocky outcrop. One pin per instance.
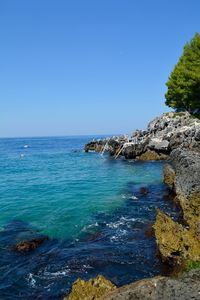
(92, 289)
(177, 243)
(184, 288)
(174, 136)
(162, 136)
(187, 167)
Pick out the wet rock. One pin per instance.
(183, 288)
(171, 195)
(169, 175)
(149, 231)
(96, 146)
(92, 289)
(29, 245)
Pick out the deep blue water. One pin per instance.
(91, 207)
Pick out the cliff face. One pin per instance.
(162, 136)
(179, 243)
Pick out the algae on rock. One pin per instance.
(175, 242)
(92, 289)
(152, 155)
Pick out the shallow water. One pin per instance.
(90, 206)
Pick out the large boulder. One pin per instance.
(187, 167)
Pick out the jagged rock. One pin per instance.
(92, 289)
(130, 152)
(29, 245)
(169, 175)
(187, 167)
(163, 134)
(183, 288)
(191, 212)
(96, 146)
(159, 145)
(176, 244)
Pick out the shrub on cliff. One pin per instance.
(184, 81)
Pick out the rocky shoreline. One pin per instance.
(162, 136)
(174, 137)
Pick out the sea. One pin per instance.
(96, 210)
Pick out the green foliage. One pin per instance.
(192, 265)
(178, 114)
(184, 81)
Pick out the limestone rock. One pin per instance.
(186, 164)
(164, 134)
(92, 289)
(183, 288)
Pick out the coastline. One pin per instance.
(174, 137)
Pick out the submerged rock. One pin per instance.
(92, 289)
(144, 190)
(29, 245)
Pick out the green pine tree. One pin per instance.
(184, 81)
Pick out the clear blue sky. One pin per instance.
(88, 66)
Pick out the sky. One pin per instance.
(81, 67)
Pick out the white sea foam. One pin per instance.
(128, 196)
(121, 222)
(31, 280)
(57, 273)
(86, 227)
(120, 233)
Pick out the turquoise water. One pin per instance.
(91, 208)
(58, 188)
